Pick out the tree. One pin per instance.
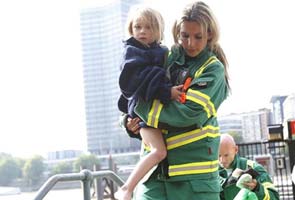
(9, 170)
(86, 162)
(20, 163)
(63, 167)
(33, 170)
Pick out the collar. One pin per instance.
(182, 58)
(234, 163)
(134, 42)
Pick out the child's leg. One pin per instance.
(154, 139)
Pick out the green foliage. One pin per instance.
(86, 162)
(33, 170)
(9, 170)
(62, 168)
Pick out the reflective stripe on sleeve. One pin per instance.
(193, 168)
(266, 196)
(203, 100)
(192, 136)
(266, 186)
(211, 60)
(153, 116)
(250, 163)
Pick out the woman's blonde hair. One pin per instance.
(201, 13)
(149, 15)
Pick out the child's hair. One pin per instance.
(201, 13)
(149, 15)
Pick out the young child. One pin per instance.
(143, 76)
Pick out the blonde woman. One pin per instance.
(192, 149)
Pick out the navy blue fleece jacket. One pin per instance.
(143, 75)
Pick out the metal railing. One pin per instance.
(278, 158)
(86, 176)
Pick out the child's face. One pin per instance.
(142, 31)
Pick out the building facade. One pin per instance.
(246, 127)
(64, 154)
(289, 107)
(102, 32)
(277, 109)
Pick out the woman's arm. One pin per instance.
(203, 98)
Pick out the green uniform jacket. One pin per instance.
(193, 145)
(265, 189)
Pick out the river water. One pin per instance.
(69, 194)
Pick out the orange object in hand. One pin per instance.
(186, 85)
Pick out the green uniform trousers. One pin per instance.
(155, 189)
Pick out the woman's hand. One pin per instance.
(133, 125)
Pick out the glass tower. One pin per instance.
(102, 32)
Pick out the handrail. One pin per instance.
(86, 176)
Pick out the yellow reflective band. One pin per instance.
(211, 60)
(266, 186)
(250, 163)
(202, 99)
(266, 196)
(269, 185)
(193, 168)
(153, 116)
(145, 147)
(192, 136)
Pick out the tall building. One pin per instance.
(64, 154)
(231, 123)
(247, 126)
(277, 109)
(102, 31)
(289, 107)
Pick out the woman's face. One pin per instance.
(192, 38)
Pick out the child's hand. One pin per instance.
(176, 92)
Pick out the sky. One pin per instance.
(41, 74)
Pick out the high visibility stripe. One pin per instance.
(211, 60)
(193, 168)
(146, 147)
(199, 97)
(250, 163)
(153, 116)
(266, 196)
(192, 136)
(266, 186)
(269, 185)
(203, 100)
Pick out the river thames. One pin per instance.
(72, 194)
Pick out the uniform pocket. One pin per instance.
(202, 83)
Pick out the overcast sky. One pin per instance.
(41, 81)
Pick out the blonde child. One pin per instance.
(144, 76)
